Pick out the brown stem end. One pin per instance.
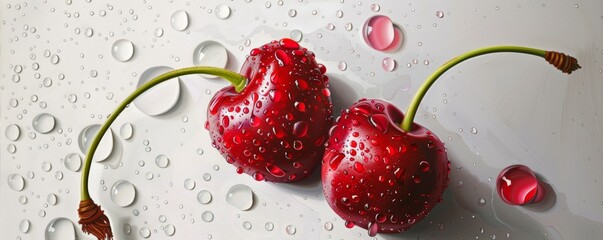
(94, 221)
(561, 61)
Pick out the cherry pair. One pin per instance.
(380, 171)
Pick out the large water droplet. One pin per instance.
(52, 199)
(60, 229)
(518, 185)
(122, 50)
(123, 193)
(247, 225)
(240, 196)
(296, 35)
(381, 34)
(73, 162)
(269, 226)
(372, 229)
(210, 53)
(328, 226)
(104, 149)
(204, 197)
(162, 161)
(16, 182)
(222, 11)
(12, 132)
(43, 123)
(126, 131)
(161, 98)
(179, 20)
(207, 216)
(24, 226)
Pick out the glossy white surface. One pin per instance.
(491, 112)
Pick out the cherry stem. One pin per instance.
(238, 81)
(563, 62)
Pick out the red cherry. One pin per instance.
(518, 185)
(392, 184)
(279, 138)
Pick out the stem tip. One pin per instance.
(94, 221)
(562, 61)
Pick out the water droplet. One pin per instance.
(24, 226)
(12, 132)
(296, 35)
(161, 98)
(373, 228)
(54, 59)
(72, 98)
(481, 202)
(60, 229)
(104, 149)
(16, 182)
(88, 32)
(170, 230)
(381, 34)
(348, 26)
(158, 32)
(179, 20)
(222, 11)
(46, 166)
(247, 225)
(210, 53)
(439, 14)
(206, 177)
(518, 185)
(204, 197)
(52, 199)
(162, 161)
(292, 12)
(331, 26)
(290, 229)
(122, 50)
(474, 130)
(207, 216)
(126, 131)
(240, 196)
(43, 123)
(123, 193)
(190, 184)
(269, 226)
(375, 7)
(388, 64)
(145, 232)
(47, 82)
(328, 226)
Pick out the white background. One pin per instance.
(524, 111)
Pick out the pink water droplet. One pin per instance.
(380, 218)
(255, 52)
(379, 121)
(298, 145)
(300, 129)
(282, 58)
(518, 185)
(300, 106)
(225, 121)
(274, 170)
(379, 32)
(326, 92)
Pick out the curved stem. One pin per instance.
(235, 79)
(414, 105)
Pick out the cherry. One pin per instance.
(377, 176)
(385, 176)
(275, 129)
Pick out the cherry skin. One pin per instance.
(275, 129)
(377, 176)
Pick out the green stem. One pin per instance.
(414, 105)
(235, 79)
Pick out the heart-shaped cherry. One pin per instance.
(386, 178)
(276, 127)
